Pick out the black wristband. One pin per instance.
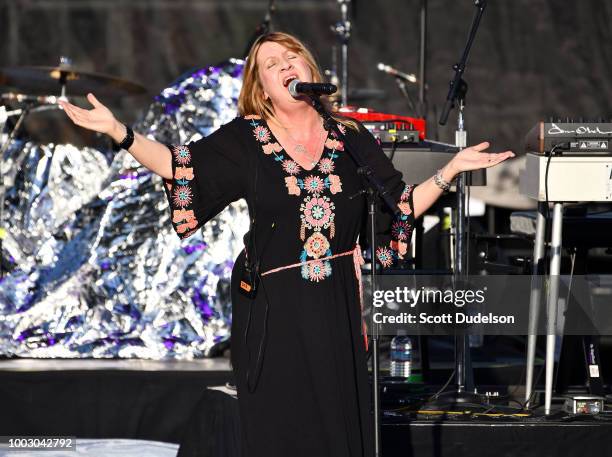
(128, 140)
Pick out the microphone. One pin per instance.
(297, 88)
(398, 74)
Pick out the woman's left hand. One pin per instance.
(475, 158)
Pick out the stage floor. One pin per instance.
(171, 402)
(213, 364)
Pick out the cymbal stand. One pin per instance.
(342, 29)
(263, 28)
(63, 79)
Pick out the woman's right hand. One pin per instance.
(99, 119)
(151, 154)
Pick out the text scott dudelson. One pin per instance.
(447, 318)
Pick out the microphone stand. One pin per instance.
(343, 30)
(264, 27)
(401, 84)
(457, 92)
(423, 60)
(374, 191)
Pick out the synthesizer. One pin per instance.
(570, 138)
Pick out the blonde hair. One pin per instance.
(252, 100)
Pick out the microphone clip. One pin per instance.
(249, 279)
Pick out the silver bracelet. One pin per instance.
(441, 182)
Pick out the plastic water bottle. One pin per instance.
(401, 355)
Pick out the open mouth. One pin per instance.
(288, 79)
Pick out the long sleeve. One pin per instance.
(208, 175)
(393, 233)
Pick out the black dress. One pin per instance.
(309, 394)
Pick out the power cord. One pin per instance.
(437, 394)
(564, 145)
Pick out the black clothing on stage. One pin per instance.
(310, 394)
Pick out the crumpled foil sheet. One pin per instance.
(95, 269)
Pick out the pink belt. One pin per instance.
(357, 262)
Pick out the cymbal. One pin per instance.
(49, 80)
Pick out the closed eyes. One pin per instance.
(272, 63)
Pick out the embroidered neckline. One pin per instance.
(271, 145)
(315, 164)
(317, 210)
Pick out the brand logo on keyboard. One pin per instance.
(579, 130)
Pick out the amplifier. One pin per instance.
(420, 161)
(388, 133)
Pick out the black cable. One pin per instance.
(437, 394)
(260, 351)
(253, 261)
(393, 149)
(467, 229)
(567, 299)
(547, 232)
(523, 405)
(533, 392)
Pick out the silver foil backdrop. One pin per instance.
(95, 268)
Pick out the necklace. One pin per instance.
(301, 149)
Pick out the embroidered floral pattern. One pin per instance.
(399, 247)
(180, 192)
(262, 134)
(335, 185)
(401, 231)
(333, 143)
(291, 167)
(182, 214)
(316, 271)
(270, 148)
(407, 192)
(326, 165)
(183, 174)
(404, 204)
(384, 256)
(314, 184)
(316, 245)
(181, 196)
(182, 155)
(317, 211)
(292, 187)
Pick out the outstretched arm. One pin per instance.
(151, 154)
(472, 158)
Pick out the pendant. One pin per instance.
(300, 149)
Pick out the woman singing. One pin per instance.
(298, 349)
